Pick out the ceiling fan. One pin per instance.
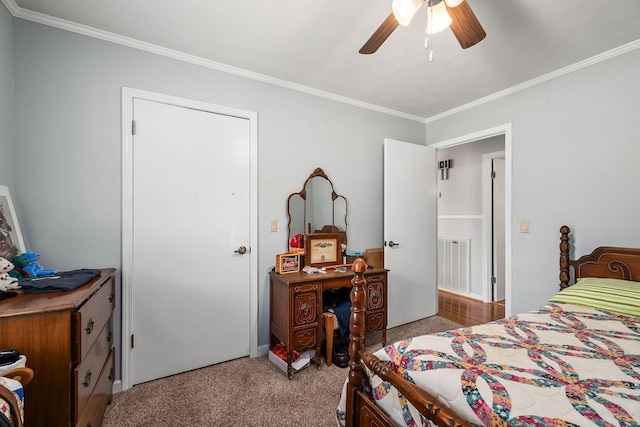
(455, 14)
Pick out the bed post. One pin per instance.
(564, 256)
(356, 338)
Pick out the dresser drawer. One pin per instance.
(305, 338)
(95, 407)
(90, 319)
(305, 304)
(375, 295)
(85, 376)
(375, 321)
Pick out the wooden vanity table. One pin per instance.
(296, 308)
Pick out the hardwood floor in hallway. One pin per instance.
(468, 311)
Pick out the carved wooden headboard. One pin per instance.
(605, 261)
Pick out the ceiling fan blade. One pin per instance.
(380, 35)
(465, 25)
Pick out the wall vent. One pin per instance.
(454, 264)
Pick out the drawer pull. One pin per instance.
(89, 327)
(109, 336)
(110, 297)
(87, 379)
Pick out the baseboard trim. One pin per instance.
(263, 350)
(469, 296)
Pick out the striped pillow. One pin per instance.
(615, 295)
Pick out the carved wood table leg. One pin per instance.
(328, 330)
(289, 367)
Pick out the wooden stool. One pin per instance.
(22, 375)
(330, 325)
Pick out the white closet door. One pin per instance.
(191, 197)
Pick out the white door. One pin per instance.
(191, 197)
(410, 231)
(498, 229)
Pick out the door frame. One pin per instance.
(505, 130)
(487, 225)
(128, 96)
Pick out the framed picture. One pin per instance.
(323, 249)
(287, 263)
(11, 243)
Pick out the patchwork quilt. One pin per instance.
(559, 365)
(18, 391)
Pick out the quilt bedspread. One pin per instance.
(559, 365)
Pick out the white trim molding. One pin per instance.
(51, 21)
(540, 79)
(63, 24)
(460, 217)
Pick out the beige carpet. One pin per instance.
(247, 392)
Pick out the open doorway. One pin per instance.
(474, 237)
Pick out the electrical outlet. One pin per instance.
(524, 226)
(273, 225)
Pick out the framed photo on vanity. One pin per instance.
(323, 249)
(287, 263)
(11, 243)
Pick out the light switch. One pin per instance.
(524, 226)
(273, 225)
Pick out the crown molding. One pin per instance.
(51, 21)
(11, 6)
(541, 79)
(19, 12)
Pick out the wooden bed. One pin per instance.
(362, 410)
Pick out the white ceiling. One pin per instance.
(315, 43)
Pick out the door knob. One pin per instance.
(241, 250)
(391, 244)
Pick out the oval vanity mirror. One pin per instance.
(317, 208)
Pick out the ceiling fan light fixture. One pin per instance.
(437, 18)
(403, 10)
(455, 14)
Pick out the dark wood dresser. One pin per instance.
(297, 306)
(67, 338)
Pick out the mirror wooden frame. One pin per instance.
(326, 228)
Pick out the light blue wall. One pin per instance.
(6, 98)
(575, 162)
(66, 151)
(68, 146)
